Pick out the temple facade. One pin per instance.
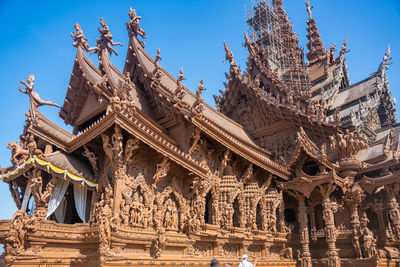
(294, 167)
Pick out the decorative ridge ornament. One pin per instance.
(133, 26)
(106, 40)
(344, 49)
(309, 8)
(80, 40)
(34, 96)
(229, 57)
(180, 92)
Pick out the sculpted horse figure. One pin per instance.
(17, 151)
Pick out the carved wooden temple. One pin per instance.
(295, 167)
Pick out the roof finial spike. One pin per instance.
(229, 56)
(309, 7)
(387, 54)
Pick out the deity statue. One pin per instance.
(80, 40)
(133, 26)
(162, 170)
(106, 41)
(309, 7)
(34, 96)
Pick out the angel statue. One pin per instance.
(80, 39)
(34, 96)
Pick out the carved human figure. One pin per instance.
(20, 225)
(106, 227)
(200, 89)
(106, 38)
(131, 146)
(31, 145)
(369, 242)
(117, 147)
(225, 160)
(286, 252)
(309, 8)
(162, 170)
(79, 38)
(159, 244)
(133, 25)
(344, 49)
(34, 96)
(18, 154)
(248, 174)
(271, 223)
(126, 203)
(196, 138)
(36, 185)
(115, 103)
(92, 159)
(356, 244)
(168, 216)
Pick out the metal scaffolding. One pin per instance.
(263, 27)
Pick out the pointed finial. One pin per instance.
(158, 57)
(180, 76)
(229, 56)
(344, 49)
(309, 7)
(387, 54)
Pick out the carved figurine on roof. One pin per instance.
(34, 97)
(80, 40)
(106, 40)
(133, 26)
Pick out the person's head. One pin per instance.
(214, 263)
(244, 257)
(31, 78)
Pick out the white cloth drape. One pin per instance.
(60, 211)
(27, 194)
(80, 195)
(57, 196)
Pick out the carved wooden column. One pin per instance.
(330, 231)
(304, 235)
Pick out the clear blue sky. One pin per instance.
(36, 39)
